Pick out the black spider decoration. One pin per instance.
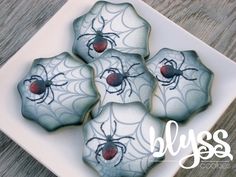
(39, 86)
(171, 71)
(110, 147)
(99, 39)
(119, 78)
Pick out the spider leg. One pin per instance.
(60, 84)
(33, 77)
(114, 69)
(29, 80)
(176, 83)
(56, 76)
(36, 77)
(122, 66)
(44, 70)
(182, 61)
(111, 92)
(171, 81)
(107, 34)
(99, 146)
(93, 25)
(136, 75)
(102, 129)
(164, 60)
(195, 69)
(103, 23)
(115, 128)
(36, 98)
(109, 70)
(88, 34)
(132, 66)
(89, 54)
(95, 138)
(117, 139)
(46, 93)
(89, 43)
(131, 89)
(110, 40)
(106, 70)
(116, 91)
(122, 88)
(122, 155)
(89, 47)
(119, 144)
(193, 79)
(52, 95)
(97, 154)
(163, 80)
(172, 63)
(111, 43)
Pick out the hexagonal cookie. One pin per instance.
(117, 142)
(58, 91)
(108, 25)
(123, 78)
(183, 84)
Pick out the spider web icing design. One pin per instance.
(140, 88)
(71, 101)
(121, 19)
(132, 120)
(189, 96)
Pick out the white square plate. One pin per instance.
(60, 151)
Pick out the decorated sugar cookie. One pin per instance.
(110, 26)
(58, 91)
(123, 78)
(117, 142)
(183, 84)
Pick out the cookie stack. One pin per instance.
(115, 90)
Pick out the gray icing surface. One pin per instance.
(183, 91)
(70, 96)
(132, 83)
(119, 25)
(128, 124)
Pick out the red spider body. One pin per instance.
(168, 71)
(114, 79)
(100, 43)
(39, 86)
(109, 151)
